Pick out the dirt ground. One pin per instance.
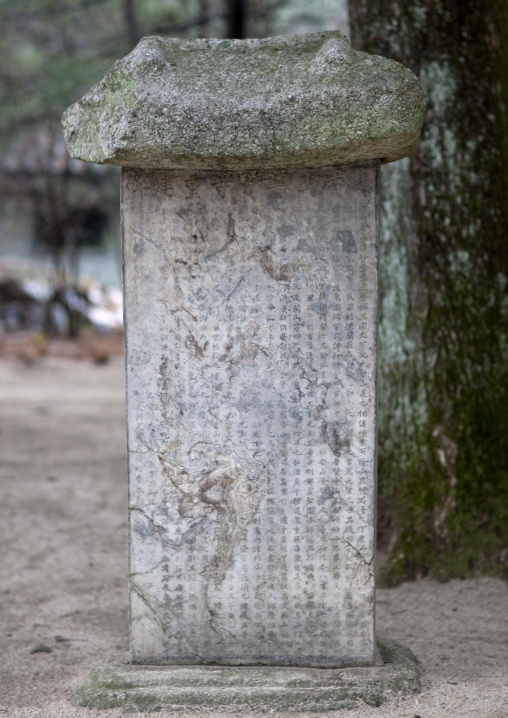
(64, 562)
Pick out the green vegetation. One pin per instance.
(54, 50)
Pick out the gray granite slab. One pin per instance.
(292, 101)
(251, 330)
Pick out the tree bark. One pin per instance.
(443, 452)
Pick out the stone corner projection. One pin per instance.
(250, 227)
(283, 102)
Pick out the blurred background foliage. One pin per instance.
(53, 50)
(63, 213)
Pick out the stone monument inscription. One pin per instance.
(251, 383)
(250, 228)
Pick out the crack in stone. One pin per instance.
(139, 591)
(231, 238)
(183, 309)
(357, 551)
(148, 239)
(157, 527)
(163, 624)
(240, 281)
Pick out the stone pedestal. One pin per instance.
(120, 684)
(251, 319)
(250, 229)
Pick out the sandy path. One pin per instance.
(64, 562)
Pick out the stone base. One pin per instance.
(120, 684)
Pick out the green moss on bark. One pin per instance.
(443, 454)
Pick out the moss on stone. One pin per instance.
(294, 101)
(142, 688)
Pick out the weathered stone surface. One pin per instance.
(147, 688)
(251, 329)
(294, 101)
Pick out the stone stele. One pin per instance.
(250, 218)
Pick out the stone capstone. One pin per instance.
(282, 102)
(120, 684)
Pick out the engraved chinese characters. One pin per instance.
(251, 310)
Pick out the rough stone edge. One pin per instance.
(119, 684)
(101, 148)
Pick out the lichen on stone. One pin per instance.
(229, 689)
(294, 101)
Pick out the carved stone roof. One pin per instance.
(292, 101)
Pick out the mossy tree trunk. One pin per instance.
(443, 438)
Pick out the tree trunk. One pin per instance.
(236, 16)
(131, 22)
(443, 448)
